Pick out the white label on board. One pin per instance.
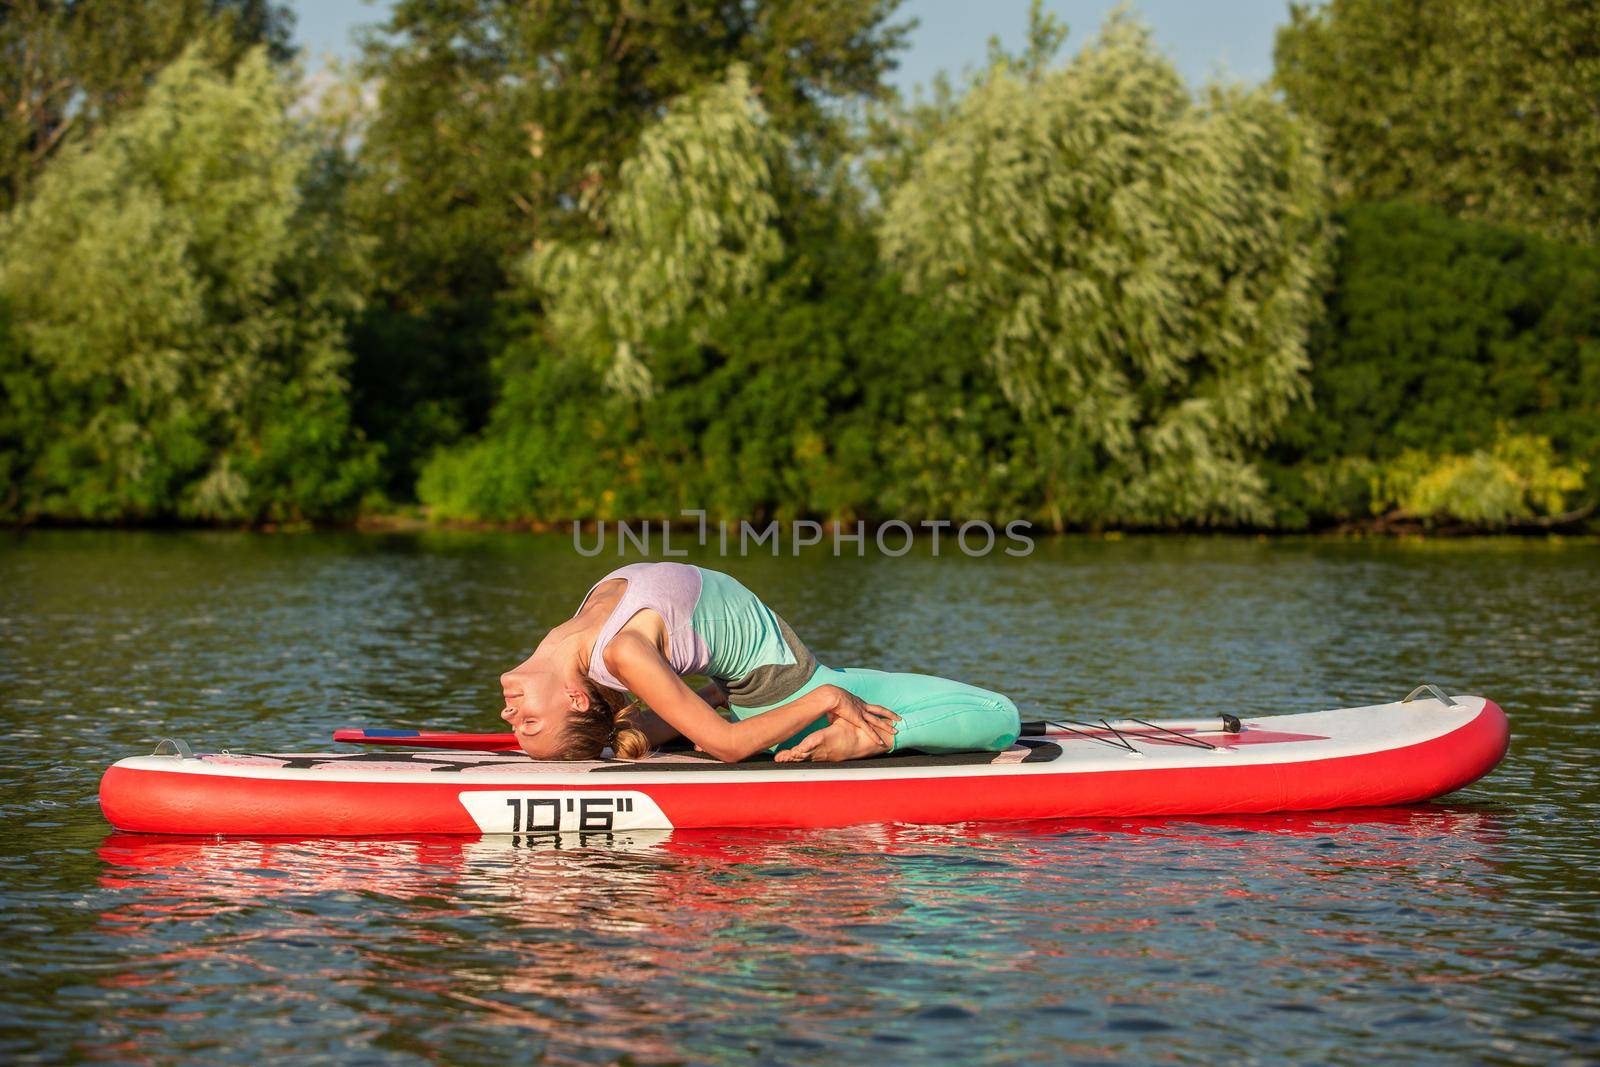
(549, 811)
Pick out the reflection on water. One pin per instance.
(1461, 930)
(1083, 938)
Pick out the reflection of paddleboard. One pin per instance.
(1386, 754)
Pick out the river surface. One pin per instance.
(1466, 929)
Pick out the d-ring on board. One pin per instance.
(1438, 693)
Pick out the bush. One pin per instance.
(1517, 478)
(1446, 338)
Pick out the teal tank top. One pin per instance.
(715, 627)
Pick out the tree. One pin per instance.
(1148, 264)
(1447, 339)
(177, 316)
(67, 68)
(689, 226)
(497, 121)
(1482, 108)
(827, 391)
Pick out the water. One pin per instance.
(1458, 930)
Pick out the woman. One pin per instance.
(645, 626)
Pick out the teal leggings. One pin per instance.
(936, 714)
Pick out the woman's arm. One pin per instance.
(638, 664)
(656, 729)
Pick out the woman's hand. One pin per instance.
(713, 694)
(639, 665)
(841, 740)
(874, 720)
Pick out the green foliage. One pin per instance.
(66, 69)
(494, 119)
(1148, 265)
(827, 392)
(1519, 477)
(895, 133)
(1439, 332)
(622, 260)
(1481, 107)
(689, 227)
(1515, 478)
(497, 124)
(177, 315)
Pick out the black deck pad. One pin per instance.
(757, 764)
(429, 761)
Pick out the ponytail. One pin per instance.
(627, 740)
(606, 723)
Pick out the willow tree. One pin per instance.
(1483, 108)
(1148, 263)
(493, 117)
(176, 316)
(689, 226)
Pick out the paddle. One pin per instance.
(1099, 730)
(425, 739)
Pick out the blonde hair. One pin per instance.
(608, 722)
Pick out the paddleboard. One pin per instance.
(1385, 754)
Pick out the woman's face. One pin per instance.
(537, 706)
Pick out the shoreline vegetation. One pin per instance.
(1579, 527)
(1574, 528)
(521, 262)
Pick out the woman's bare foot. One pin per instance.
(840, 740)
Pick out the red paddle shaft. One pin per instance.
(508, 742)
(421, 739)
